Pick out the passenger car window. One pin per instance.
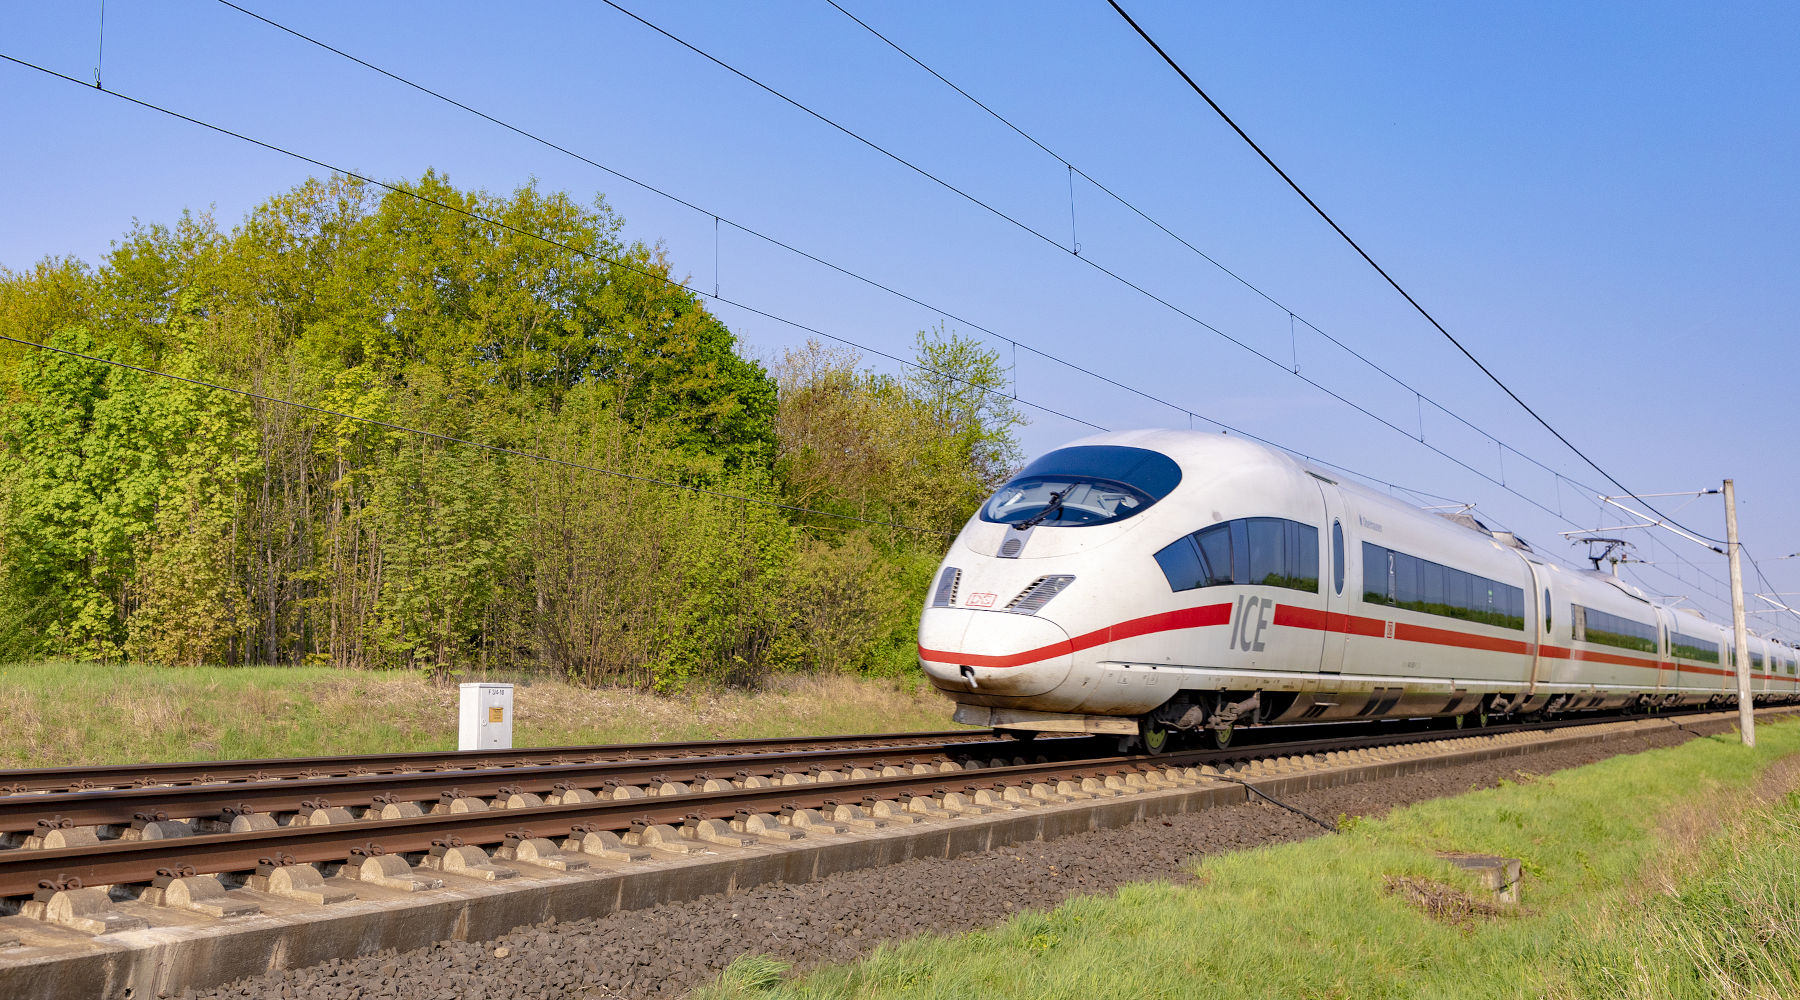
(1406, 581)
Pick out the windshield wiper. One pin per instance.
(1053, 507)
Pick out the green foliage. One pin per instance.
(154, 520)
(923, 450)
(751, 975)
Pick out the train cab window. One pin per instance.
(1084, 485)
(1258, 551)
(1337, 558)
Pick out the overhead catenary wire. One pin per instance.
(748, 308)
(775, 241)
(1500, 445)
(397, 189)
(478, 217)
(503, 225)
(1420, 396)
(719, 218)
(1381, 271)
(1052, 241)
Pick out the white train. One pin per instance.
(1147, 583)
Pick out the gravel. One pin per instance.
(667, 950)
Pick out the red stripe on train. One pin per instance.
(1307, 618)
(1168, 621)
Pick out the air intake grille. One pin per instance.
(945, 595)
(1033, 598)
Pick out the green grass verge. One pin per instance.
(62, 713)
(1633, 888)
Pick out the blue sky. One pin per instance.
(1598, 200)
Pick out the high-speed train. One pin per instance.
(1153, 583)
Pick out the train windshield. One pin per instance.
(1089, 484)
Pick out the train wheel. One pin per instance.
(1478, 718)
(1219, 739)
(1154, 737)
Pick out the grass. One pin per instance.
(1671, 873)
(62, 713)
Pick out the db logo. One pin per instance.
(980, 601)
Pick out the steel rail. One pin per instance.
(77, 777)
(136, 861)
(20, 813)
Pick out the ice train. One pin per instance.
(1156, 583)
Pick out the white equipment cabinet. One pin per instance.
(486, 716)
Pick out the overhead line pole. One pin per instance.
(1740, 634)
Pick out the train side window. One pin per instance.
(1215, 551)
(1431, 588)
(1416, 584)
(1375, 574)
(1337, 557)
(1259, 551)
(1180, 562)
(1688, 647)
(1268, 551)
(1546, 609)
(1240, 550)
(1406, 580)
(1303, 557)
(1593, 625)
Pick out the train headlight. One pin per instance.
(1032, 599)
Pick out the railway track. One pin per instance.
(225, 817)
(87, 863)
(85, 778)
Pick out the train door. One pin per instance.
(1668, 670)
(1337, 583)
(1545, 619)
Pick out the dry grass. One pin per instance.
(1685, 831)
(65, 714)
(1443, 902)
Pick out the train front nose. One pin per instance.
(992, 653)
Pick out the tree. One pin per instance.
(963, 388)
